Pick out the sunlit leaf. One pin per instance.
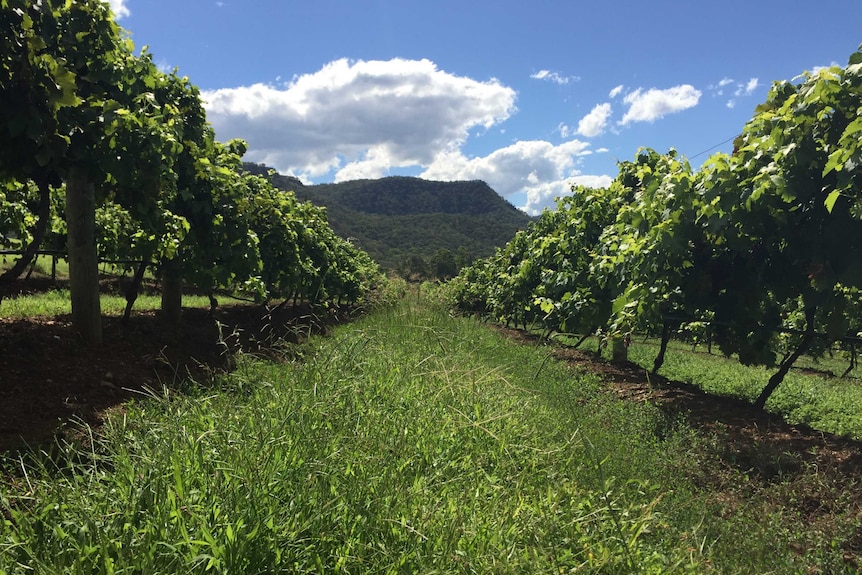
(831, 199)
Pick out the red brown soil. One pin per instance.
(50, 379)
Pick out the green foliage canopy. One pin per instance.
(751, 241)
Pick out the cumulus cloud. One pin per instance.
(544, 195)
(652, 104)
(616, 91)
(374, 164)
(553, 77)
(595, 122)
(361, 119)
(119, 8)
(358, 118)
(536, 168)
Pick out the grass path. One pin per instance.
(407, 442)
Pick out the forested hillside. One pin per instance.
(406, 223)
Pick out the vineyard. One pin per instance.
(108, 158)
(759, 248)
(147, 427)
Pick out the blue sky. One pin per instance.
(529, 96)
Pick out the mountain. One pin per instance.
(399, 219)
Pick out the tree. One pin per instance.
(443, 263)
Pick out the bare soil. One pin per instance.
(50, 381)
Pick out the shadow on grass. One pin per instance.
(49, 377)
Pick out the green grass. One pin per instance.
(369, 456)
(57, 302)
(825, 403)
(42, 267)
(407, 442)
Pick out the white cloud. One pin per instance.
(718, 89)
(352, 120)
(553, 77)
(164, 66)
(595, 122)
(818, 69)
(542, 196)
(742, 89)
(119, 8)
(506, 169)
(650, 105)
(747, 89)
(358, 118)
(752, 85)
(375, 163)
(536, 168)
(616, 91)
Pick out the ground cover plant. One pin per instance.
(56, 302)
(364, 456)
(409, 441)
(787, 487)
(50, 376)
(811, 395)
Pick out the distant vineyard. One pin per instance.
(762, 245)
